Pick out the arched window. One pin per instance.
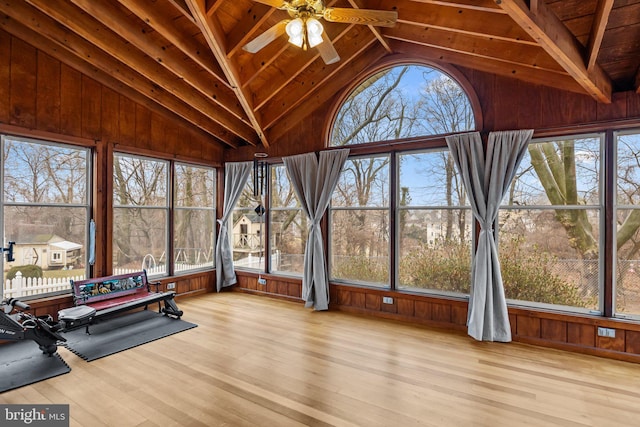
(402, 101)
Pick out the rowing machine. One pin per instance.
(25, 326)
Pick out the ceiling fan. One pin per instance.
(305, 30)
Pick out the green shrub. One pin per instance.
(527, 276)
(526, 273)
(32, 271)
(362, 269)
(444, 266)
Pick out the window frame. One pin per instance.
(166, 208)
(389, 211)
(600, 208)
(87, 205)
(174, 209)
(614, 208)
(396, 239)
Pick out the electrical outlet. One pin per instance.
(262, 281)
(171, 285)
(606, 332)
(387, 300)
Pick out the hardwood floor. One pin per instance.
(254, 361)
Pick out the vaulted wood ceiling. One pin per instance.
(185, 57)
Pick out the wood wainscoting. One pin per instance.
(560, 330)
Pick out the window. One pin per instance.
(288, 225)
(627, 239)
(434, 224)
(140, 214)
(549, 233)
(248, 226)
(194, 217)
(360, 222)
(402, 102)
(45, 211)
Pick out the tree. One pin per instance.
(388, 107)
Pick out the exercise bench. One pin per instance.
(103, 297)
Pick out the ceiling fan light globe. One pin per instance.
(295, 28)
(314, 32)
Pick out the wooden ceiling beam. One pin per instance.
(462, 20)
(376, 32)
(44, 44)
(480, 5)
(480, 47)
(216, 41)
(66, 40)
(603, 10)
(305, 85)
(151, 43)
(493, 66)
(184, 9)
(102, 37)
(244, 30)
(164, 25)
(554, 37)
(213, 5)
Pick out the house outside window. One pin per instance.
(45, 211)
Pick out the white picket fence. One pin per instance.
(26, 286)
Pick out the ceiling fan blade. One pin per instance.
(381, 18)
(327, 51)
(267, 37)
(272, 3)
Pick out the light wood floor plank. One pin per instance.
(254, 361)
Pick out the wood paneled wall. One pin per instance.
(42, 97)
(563, 331)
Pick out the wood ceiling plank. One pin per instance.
(163, 23)
(480, 5)
(375, 30)
(73, 44)
(216, 41)
(501, 68)
(286, 68)
(244, 30)
(469, 21)
(151, 43)
(102, 37)
(559, 42)
(184, 9)
(328, 90)
(303, 87)
(153, 101)
(474, 45)
(597, 31)
(213, 5)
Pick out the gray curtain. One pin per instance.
(235, 178)
(486, 177)
(313, 182)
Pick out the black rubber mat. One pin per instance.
(22, 363)
(121, 333)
